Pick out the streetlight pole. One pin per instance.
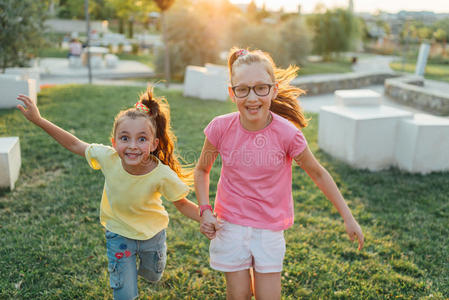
(86, 7)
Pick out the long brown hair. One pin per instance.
(159, 116)
(285, 104)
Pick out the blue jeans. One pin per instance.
(122, 253)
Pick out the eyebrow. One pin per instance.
(126, 132)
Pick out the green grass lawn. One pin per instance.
(433, 71)
(53, 245)
(338, 66)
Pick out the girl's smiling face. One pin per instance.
(254, 109)
(134, 140)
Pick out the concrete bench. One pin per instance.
(111, 60)
(194, 81)
(11, 86)
(357, 97)
(75, 62)
(422, 144)
(10, 161)
(362, 136)
(216, 83)
(208, 82)
(26, 73)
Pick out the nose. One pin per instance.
(133, 144)
(252, 95)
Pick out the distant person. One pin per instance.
(253, 203)
(75, 48)
(139, 167)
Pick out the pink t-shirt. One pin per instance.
(255, 186)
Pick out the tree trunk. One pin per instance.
(130, 28)
(167, 52)
(121, 26)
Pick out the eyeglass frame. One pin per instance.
(253, 88)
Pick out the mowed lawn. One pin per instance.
(53, 247)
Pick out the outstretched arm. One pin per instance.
(66, 139)
(188, 209)
(208, 155)
(307, 161)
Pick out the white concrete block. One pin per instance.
(75, 62)
(10, 161)
(215, 87)
(362, 136)
(96, 61)
(357, 97)
(422, 144)
(194, 81)
(111, 60)
(213, 68)
(11, 86)
(26, 73)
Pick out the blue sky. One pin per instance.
(441, 6)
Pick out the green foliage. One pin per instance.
(53, 246)
(334, 31)
(198, 32)
(191, 37)
(21, 31)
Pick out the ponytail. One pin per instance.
(286, 103)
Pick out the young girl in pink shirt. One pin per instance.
(254, 203)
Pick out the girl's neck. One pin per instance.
(258, 125)
(144, 168)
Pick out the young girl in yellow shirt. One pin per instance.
(138, 168)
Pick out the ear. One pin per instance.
(154, 145)
(113, 142)
(276, 89)
(231, 93)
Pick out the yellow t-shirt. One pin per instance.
(131, 205)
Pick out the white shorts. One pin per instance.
(237, 248)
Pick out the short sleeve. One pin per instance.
(297, 144)
(213, 132)
(95, 154)
(173, 188)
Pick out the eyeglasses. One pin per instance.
(241, 91)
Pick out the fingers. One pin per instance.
(361, 239)
(21, 108)
(24, 98)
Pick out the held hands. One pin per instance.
(209, 224)
(353, 229)
(30, 110)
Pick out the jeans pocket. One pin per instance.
(161, 261)
(114, 276)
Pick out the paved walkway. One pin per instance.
(375, 63)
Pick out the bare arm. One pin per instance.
(324, 181)
(66, 139)
(188, 209)
(202, 171)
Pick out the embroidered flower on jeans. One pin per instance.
(119, 255)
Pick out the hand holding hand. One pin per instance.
(30, 110)
(353, 229)
(209, 225)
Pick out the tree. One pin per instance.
(128, 11)
(334, 31)
(21, 31)
(164, 5)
